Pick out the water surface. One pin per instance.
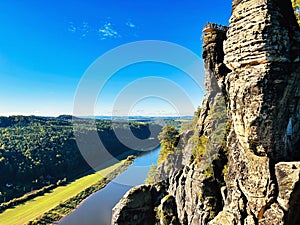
(97, 208)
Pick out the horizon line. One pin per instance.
(89, 116)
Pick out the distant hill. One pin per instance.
(67, 117)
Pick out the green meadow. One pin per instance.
(36, 207)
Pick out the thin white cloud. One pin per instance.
(72, 28)
(132, 27)
(107, 31)
(82, 30)
(130, 24)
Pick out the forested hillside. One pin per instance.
(38, 151)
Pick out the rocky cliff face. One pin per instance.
(194, 190)
(197, 187)
(262, 50)
(239, 162)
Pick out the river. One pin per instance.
(97, 208)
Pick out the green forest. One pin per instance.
(39, 153)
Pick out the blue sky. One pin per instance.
(46, 46)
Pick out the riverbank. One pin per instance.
(62, 200)
(97, 208)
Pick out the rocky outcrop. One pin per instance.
(138, 205)
(175, 161)
(194, 189)
(166, 212)
(239, 163)
(288, 180)
(261, 50)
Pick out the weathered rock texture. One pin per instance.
(250, 121)
(194, 189)
(138, 205)
(262, 49)
(197, 186)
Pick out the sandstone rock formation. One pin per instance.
(262, 49)
(138, 204)
(194, 188)
(239, 162)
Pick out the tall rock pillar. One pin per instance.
(262, 50)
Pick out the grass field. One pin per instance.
(23, 213)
